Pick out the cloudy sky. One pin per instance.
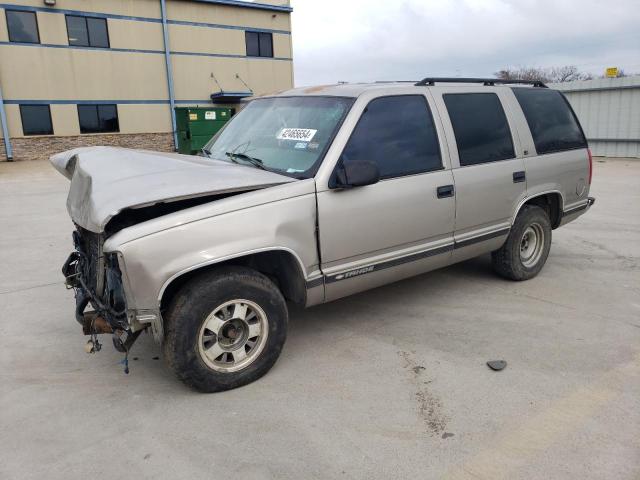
(360, 40)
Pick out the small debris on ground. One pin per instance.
(447, 435)
(496, 365)
(156, 358)
(417, 369)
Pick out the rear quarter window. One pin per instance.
(553, 124)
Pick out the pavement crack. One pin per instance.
(30, 288)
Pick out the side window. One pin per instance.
(36, 120)
(480, 126)
(259, 44)
(398, 134)
(98, 118)
(553, 124)
(87, 31)
(23, 26)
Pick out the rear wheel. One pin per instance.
(224, 329)
(527, 247)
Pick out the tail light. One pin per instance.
(590, 165)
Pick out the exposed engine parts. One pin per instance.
(97, 281)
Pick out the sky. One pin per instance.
(367, 40)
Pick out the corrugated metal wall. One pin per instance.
(609, 111)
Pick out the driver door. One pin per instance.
(400, 226)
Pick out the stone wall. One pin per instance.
(36, 148)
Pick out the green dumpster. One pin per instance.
(196, 126)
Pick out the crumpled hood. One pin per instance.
(107, 180)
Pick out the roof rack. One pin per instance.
(489, 82)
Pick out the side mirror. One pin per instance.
(356, 174)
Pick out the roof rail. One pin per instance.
(430, 81)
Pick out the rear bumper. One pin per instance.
(574, 212)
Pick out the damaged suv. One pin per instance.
(309, 196)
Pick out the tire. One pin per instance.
(527, 247)
(220, 311)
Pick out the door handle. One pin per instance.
(519, 177)
(445, 191)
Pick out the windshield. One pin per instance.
(288, 135)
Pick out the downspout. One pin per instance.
(167, 57)
(5, 129)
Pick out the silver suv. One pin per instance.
(312, 195)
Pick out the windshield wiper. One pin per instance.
(206, 152)
(256, 162)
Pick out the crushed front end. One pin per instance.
(96, 277)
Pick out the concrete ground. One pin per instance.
(391, 383)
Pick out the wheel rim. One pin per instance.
(531, 245)
(233, 335)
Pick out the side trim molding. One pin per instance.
(481, 238)
(316, 282)
(376, 267)
(388, 264)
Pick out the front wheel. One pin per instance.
(527, 247)
(224, 329)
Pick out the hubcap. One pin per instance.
(531, 245)
(233, 335)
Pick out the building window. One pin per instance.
(259, 44)
(23, 26)
(87, 31)
(480, 127)
(36, 120)
(98, 118)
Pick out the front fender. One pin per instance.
(152, 261)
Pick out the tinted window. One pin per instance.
(36, 120)
(266, 45)
(553, 125)
(98, 118)
(23, 26)
(398, 134)
(480, 126)
(98, 35)
(253, 45)
(259, 44)
(87, 31)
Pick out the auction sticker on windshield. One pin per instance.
(299, 134)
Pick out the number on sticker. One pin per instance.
(299, 134)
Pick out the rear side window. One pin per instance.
(398, 134)
(480, 126)
(553, 125)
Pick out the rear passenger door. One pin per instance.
(488, 167)
(400, 226)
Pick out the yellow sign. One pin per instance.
(612, 72)
(193, 116)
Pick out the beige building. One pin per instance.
(93, 72)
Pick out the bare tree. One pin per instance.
(567, 73)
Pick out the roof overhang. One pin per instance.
(229, 97)
(245, 4)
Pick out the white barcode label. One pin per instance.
(299, 134)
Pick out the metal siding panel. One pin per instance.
(607, 114)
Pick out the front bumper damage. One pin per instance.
(96, 279)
